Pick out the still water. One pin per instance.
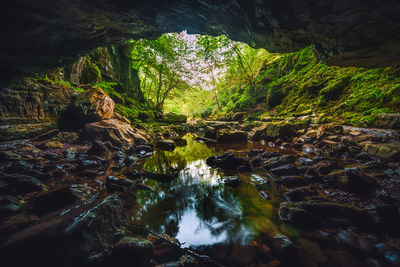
(197, 208)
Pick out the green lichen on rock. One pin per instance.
(90, 73)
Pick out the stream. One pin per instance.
(197, 208)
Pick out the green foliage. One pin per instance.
(297, 82)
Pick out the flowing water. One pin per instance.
(197, 208)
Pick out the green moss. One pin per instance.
(90, 72)
(298, 82)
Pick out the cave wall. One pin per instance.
(37, 35)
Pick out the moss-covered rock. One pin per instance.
(272, 130)
(90, 73)
(174, 118)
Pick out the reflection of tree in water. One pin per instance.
(218, 208)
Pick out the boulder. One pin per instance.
(132, 249)
(285, 170)
(227, 136)
(382, 150)
(174, 118)
(166, 144)
(298, 217)
(92, 105)
(229, 162)
(232, 181)
(115, 131)
(272, 130)
(95, 104)
(52, 200)
(292, 181)
(77, 237)
(314, 213)
(20, 184)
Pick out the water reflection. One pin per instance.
(197, 208)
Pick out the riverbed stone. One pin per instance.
(77, 237)
(132, 249)
(20, 184)
(227, 136)
(166, 144)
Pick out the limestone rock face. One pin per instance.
(345, 33)
(29, 108)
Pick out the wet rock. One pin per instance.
(91, 105)
(227, 136)
(46, 136)
(278, 161)
(54, 199)
(132, 249)
(298, 217)
(52, 157)
(299, 194)
(113, 130)
(329, 129)
(382, 150)
(52, 145)
(355, 242)
(9, 206)
(228, 162)
(292, 181)
(166, 144)
(84, 164)
(180, 142)
(232, 181)
(161, 177)
(76, 237)
(272, 130)
(20, 184)
(17, 167)
(352, 180)
(98, 149)
(329, 210)
(288, 169)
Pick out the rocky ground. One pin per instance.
(64, 195)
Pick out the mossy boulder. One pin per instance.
(90, 73)
(174, 118)
(272, 130)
